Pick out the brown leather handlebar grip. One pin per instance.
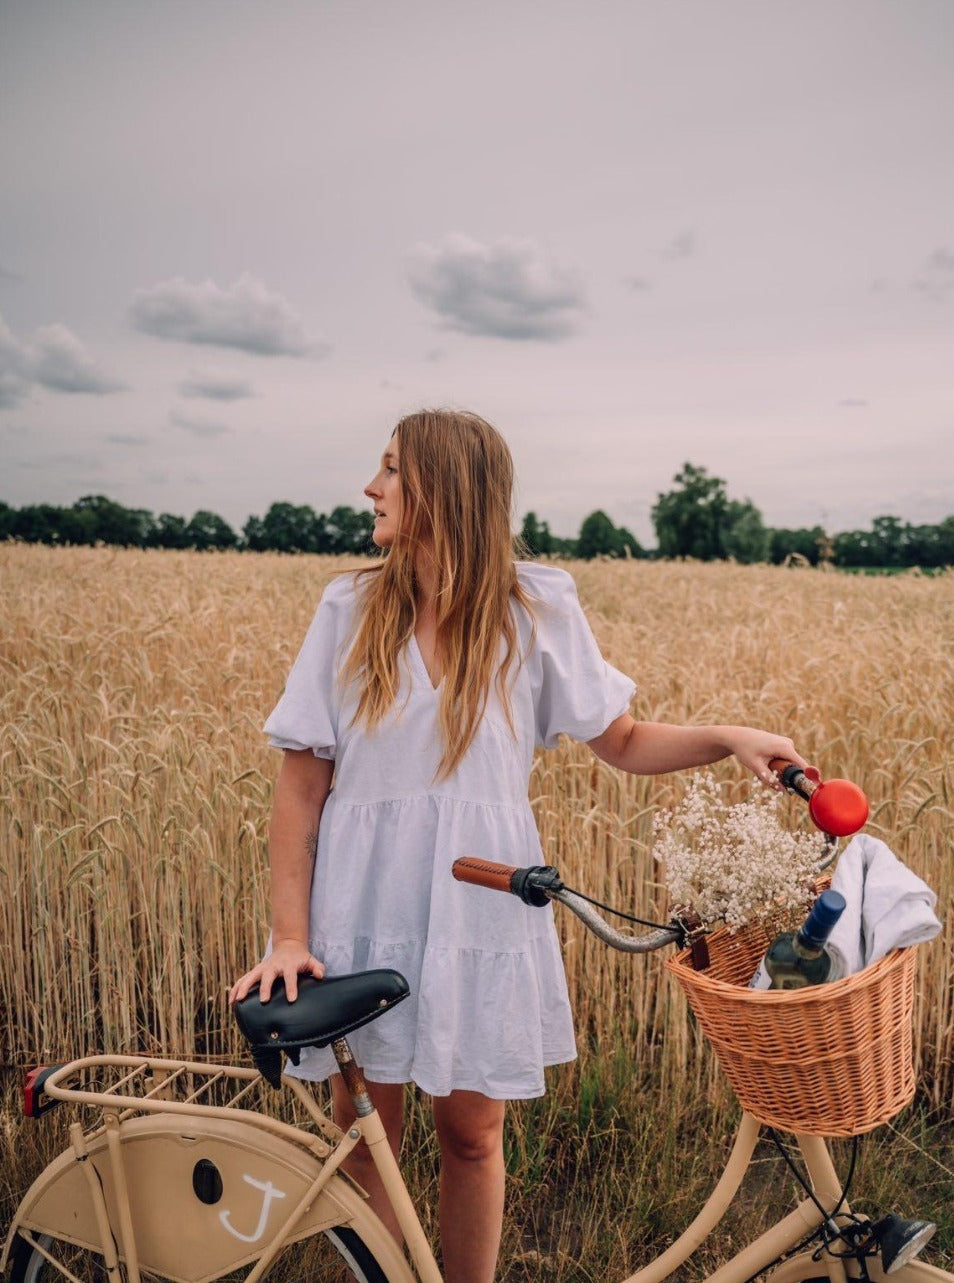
(483, 873)
(811, 778)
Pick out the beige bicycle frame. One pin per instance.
(125, 1188)
(786, 1234)
(104, 1193)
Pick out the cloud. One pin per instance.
(215, 387)
(510, 289)
(198, 427)
(246, 316)
(92, 463)
(55, 359)
(61, 362)
(14, 383)
(853, 402)
(126, 438)
(681, 246)
(936, 279)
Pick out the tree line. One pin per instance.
(696, 518)
(95, 519)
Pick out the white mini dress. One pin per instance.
(488, 1006)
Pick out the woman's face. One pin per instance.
(385, 493)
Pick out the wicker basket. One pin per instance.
(828, 1060)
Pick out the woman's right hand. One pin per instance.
(288, 959)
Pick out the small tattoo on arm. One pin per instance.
(311, 842)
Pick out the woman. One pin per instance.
(424, 685)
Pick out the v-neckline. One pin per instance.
(423, 666)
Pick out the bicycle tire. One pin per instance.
(27, 1265)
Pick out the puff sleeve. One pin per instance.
(307, 714)
(575, 691)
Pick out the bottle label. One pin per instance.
(761, 979)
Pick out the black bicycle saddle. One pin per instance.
(323, 1011)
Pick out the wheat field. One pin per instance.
(136, 782)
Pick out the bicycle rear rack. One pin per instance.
(123, 1086)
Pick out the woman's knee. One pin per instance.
(469, 1126)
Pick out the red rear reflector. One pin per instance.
(35, 1099)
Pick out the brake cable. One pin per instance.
(844, 1234)
(608, 908)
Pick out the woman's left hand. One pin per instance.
(755, 749)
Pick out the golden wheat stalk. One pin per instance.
(136, 782)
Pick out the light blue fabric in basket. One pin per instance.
(887, 906)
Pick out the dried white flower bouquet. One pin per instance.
(734, 862)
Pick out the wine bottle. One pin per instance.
(795, 959)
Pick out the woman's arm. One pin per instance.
(652, 748)
(301, 789)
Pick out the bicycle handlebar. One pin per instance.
(837, 807)
(540, 883)
(534, 885)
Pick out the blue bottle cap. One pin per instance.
(826, 911)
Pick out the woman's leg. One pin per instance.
(470, 1134)
(388, 1100)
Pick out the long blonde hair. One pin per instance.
(456, 476)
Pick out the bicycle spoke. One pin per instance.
(56, 1261)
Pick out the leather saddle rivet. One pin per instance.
(274, 1035)
(383, 1002)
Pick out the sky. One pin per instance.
(238, 240)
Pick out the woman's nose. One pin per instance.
(371, 490)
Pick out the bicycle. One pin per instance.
(183, 1178)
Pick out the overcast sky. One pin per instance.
(238, 240)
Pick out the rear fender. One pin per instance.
(207, 1195)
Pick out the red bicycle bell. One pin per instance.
(838, 807)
